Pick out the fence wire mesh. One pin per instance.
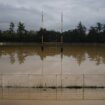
(33, 86)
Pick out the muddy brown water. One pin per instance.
(28, 72)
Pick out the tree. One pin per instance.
(103, 28)
(21, 31)
(21, 28)
(81, 28)
(81, 32)
(0, 32)
(11, 28)
(0, 35)
(99, 32)
(99, 27)
(103, 33)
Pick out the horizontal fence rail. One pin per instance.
(57, 86)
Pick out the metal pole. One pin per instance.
(56, 86)
(83, 85)
(2, 84)
(42, 27)
(42, 71)
(42, 20)
(61, 74)
(61, 32)
(42, 46)
(61, 47)
(61, 22)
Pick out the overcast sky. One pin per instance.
(88, 12)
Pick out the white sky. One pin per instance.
(89, 12)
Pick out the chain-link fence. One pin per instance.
(65, 87)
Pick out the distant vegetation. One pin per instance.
(96, 34)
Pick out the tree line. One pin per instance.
(96, 34)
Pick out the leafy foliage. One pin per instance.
(96, 34)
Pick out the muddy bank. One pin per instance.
(38, 102)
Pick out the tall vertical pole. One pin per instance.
(42, 70)
(42, 25)
(61, 48)
(42, 48)
(42, 20)
(83, 85)
(61, 22)
(2, 85)
(61, 69)
(62, 32)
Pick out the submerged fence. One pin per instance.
(59, 86)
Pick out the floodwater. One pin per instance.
(30, 73)
(75, 59)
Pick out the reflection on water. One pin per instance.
(31, 59)
(27, 72)
(78, 53)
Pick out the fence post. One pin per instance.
(83, 85)
(28, 85)
(2, 84)
(56, 86)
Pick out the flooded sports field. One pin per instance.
(28, 72)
